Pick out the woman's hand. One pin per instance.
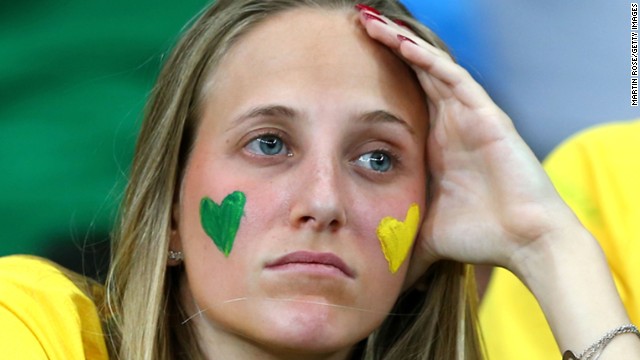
(491, 199)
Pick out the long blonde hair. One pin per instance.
(144, 318)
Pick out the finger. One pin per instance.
(453, 79)
(386, 31)
(424, 57)
(393, 35)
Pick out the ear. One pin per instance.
(175, 242)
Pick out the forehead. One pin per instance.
(316, 54)
(313, 36)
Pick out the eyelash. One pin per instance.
(266, 134)
(393, 156)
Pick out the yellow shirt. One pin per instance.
(44, 315)
(597, 173)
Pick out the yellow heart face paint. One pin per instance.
(396, 237)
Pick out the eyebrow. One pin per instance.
(264, 111)
(381, 116)
(281, 111)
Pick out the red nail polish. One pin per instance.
(373, 17)
(402, 23)
(404, 38)
(362, 7)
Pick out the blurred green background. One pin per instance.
(74, 77)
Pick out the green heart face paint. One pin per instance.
(221, 222)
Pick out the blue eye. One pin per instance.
(376, 161)
(269, 145)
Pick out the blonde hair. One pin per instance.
(145, 321)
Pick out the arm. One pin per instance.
(493, 204)
(592, 174)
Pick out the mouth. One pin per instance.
(311, 261)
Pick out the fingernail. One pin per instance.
(373, 17)
(404, 38)
(402, 23)
(362, 7)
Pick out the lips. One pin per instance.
(311, 258)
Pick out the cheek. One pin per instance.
(214, 276)
(208, 268)
(387, 225)
(386, 267)
(221, 242)
(380, 286)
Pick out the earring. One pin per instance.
(175, 255)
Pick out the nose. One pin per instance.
(320, 197)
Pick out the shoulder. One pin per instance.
(596, 172)
(43, 312)
(610, 144)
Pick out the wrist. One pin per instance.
(555, 255)
(568, 274)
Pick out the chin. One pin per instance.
(313, 327)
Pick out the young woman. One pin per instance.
(323, 131)
(279, 208)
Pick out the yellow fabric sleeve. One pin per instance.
(44, 315)
(597, 173)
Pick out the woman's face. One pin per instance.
(323, 130)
